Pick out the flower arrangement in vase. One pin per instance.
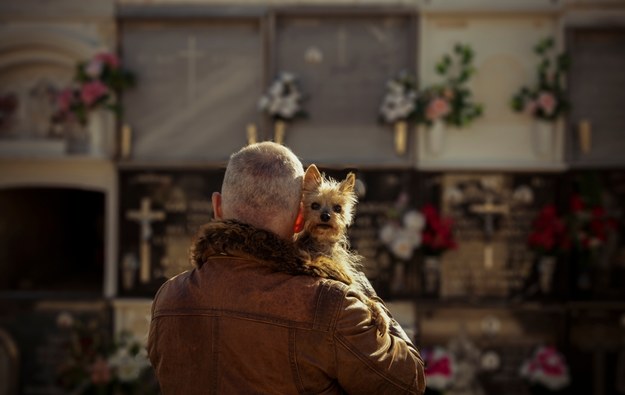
(399, 106)
(98, 365)
(545, 101)
(449, 102)
(282, 103)
(437, 238)
(590, 228)
(97, 85)
(440, 369)
(546, 371)
(548, 239)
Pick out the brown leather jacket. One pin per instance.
(241, 322)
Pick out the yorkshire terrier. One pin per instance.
(328, 211)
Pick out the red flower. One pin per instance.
(437, 235)
(576, 203)
(549, 233)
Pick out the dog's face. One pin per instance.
(328, 205)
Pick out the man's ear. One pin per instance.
(347, 185)
(216, 199)
(312, 178)
(299, 220)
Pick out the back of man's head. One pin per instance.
(262, 186)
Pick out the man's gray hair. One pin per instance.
(262, 184)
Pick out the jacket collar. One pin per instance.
(241, 240)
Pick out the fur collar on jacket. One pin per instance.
(245, 241)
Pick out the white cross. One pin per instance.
(145, 217)
(192, 55)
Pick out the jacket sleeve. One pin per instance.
(369, 363)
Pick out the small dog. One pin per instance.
(328, 211)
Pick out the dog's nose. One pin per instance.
(325, 216)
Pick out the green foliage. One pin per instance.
(451, 100)
(546, 99)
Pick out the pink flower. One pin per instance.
(64, 99)
(108, 59)
(437, 108)
(92, 92)
(547, 102)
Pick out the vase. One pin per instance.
(279, 130)
(585, 137)
(543, 136)
(95, 137)
(399, 277)
(546, 269)
(431, 275)
(436, 137)
(401, 137)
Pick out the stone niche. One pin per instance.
(38, 58)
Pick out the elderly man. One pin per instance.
(244, 321)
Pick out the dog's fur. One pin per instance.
(328, 211)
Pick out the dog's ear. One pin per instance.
(347, 185)
(312, 178)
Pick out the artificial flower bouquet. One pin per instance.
(399, 102)
(409, 229)
(450, 101)
(546, 371)
(402, 232)
(97, 83)
(549, 235)
(283, 99)
(546, 99)
(439, 369)
(97, 364)
(589, 225)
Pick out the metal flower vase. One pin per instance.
(400, 137)
(546, 269)
(279, 130)
(431, 276)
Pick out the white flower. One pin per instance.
(65, 320)
(127, 366)
(387, 233)
(414, 220)
(453, 195)
(404, 244)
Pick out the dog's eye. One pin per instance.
(315, 206)
(337, 209)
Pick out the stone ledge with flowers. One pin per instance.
(97, 85)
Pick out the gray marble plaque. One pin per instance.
(345, 83)
(197, 87)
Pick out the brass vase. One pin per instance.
(279, 130)
(401, 137)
